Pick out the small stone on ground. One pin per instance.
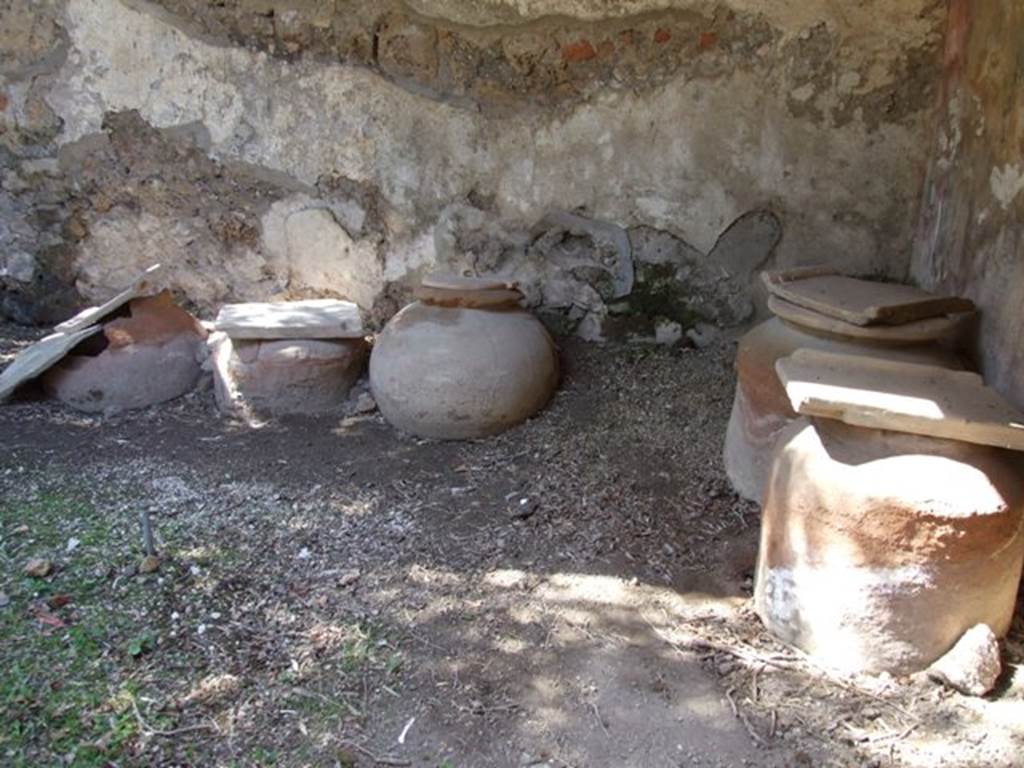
(972, 666)
(38, 568)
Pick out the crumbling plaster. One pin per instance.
(663, 121)
(971, 234)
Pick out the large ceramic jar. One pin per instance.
(463, 361)
(879, 549)
(257, 378)
(761, 408)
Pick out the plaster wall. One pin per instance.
(632, 164)
(971, 236)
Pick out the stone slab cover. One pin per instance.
(40, 357)
(93, 315)
(860, 302)
(447, 290)
(48, 351)
(461, 283)
(916, 332)
(311, 319)
(903, 397)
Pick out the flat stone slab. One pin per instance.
(40, 357)
(49, 350)
(860, 302)
(918, 331)
(93, 315)
(902, 397)
(311, 319)
(451, 282)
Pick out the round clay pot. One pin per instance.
(464, 363)
(257, 378)
(761, 408)
(880, 549)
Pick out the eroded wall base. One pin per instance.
(633, 171)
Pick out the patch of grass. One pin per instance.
(101, 665)
(261, 756)
(63, 697)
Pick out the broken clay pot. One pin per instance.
(151, 355)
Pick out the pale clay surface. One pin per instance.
(48, 351)
(454, 373)
(121, 379)
(947, 520)
(261, 378)
(761, 408)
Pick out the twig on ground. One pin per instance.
(379, 759)
(742, 717)
(328, 700)
(750, 728)
(147, 533)
(752, 656)
(600, 720)
(147, 730)
(732, 702)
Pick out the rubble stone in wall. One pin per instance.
(434, 143)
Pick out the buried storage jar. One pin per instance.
(761, 409)
(879, 549)
(464, 361)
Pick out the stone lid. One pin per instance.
(450, 282)
(856, 301)
(310, 319)
(48, 351)
(93, 315)
(902, 397)
(917, 331)
(470, 292)
(40, 357)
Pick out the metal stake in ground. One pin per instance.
(150, 562)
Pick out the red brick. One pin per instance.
(579, 51)
(708, 40)
(662, 35)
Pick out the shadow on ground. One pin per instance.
(574, 592)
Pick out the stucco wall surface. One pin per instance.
(971, 237)
(632, 164)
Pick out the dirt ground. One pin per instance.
(575, 592)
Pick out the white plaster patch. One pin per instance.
(1006, 183)
(408, 256)
(803, 93)
(125, 243)
(310, 249)
(655, 158)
